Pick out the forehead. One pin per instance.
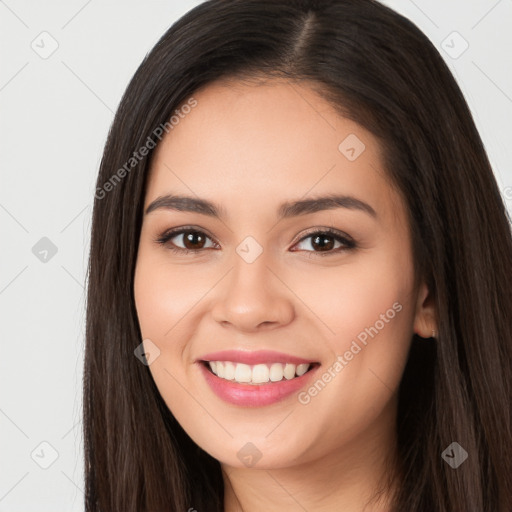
(266, 142)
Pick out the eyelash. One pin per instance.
(349, 244)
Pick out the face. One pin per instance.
(329, 284)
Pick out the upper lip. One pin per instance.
(254, 357)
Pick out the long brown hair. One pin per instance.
(381, 71)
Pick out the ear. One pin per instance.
(425, 317)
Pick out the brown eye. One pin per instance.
(186, 240)
(194, 240)
(322, 242)
(325, 242)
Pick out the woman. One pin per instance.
(229, 365)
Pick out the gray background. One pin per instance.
(55, 113)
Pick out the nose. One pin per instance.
(253, 296)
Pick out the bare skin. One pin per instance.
(249, 149)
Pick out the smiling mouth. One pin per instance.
(258, 374)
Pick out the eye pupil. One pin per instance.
(319, 241)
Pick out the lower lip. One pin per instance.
(250, 395)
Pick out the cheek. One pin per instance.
(371, 298)
(369, 311)
(164, 300)
(366, 312)
(164, 296)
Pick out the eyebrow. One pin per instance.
(285, 210)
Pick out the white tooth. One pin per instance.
(302, 369)
(229, 370)
(243, 373)
(260, 374)
(257, 374)
(289, 371)
(276, 372)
